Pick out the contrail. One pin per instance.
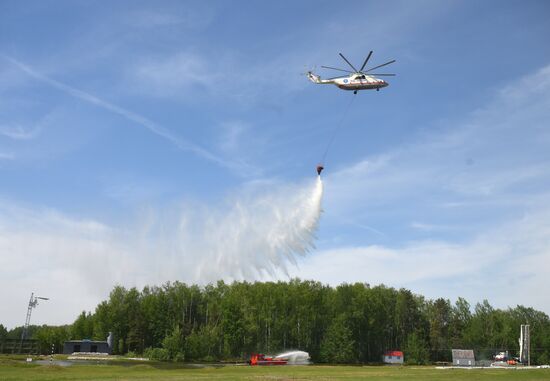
(179, 142)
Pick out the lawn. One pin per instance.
(18, 370)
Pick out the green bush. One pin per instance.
(159, 354)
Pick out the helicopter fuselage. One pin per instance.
(352, 82)
(359, 82)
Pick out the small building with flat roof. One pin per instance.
(463, 357)
(88, 346)
(393, 357)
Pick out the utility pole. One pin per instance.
(33, 302)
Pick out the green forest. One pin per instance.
(350, 323)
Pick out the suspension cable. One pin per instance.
(336, 130)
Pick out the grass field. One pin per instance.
(18, 370)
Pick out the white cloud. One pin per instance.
(496, 153)
(183, 16)
(431, 227)
(189, 75)
(243, 142)
(508, 265)
(232, 135)
(18, 132)
(175, 74)
(180, 142)
(153, 19)
(64, 259)
(241, 78)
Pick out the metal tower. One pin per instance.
(33, 302)
(524, 345)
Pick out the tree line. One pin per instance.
(350, 323)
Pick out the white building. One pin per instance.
(393, 357)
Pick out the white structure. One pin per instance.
(524, 345)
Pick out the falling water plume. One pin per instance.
(261, 234)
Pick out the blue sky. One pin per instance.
(113, 117)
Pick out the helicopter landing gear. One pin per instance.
(378, 89)
(354, 91)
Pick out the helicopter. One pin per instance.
(357, 79)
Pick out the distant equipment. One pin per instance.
(33, 302)
(503, 359)
(320, 169)
(261, 359)
(291, 358)
(362, 79)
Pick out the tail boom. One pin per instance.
(317, 79)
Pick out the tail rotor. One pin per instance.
(308, 69)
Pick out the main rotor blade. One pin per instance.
(376, 67)
(382, 75)
(366, 60)
(345, 59)
(335, 68)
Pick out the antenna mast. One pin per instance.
(33, 302)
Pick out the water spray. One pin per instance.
(260, 235)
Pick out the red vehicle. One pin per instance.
(261, 359)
